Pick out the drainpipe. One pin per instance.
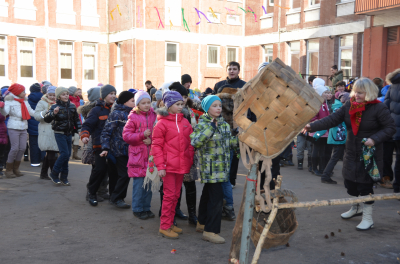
(46, 24)
(108, 42)
(279, 29)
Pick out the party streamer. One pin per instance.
(198, 13)
(185, 25)
(213, 14)
(282, 7)
(111, 13)
(170, 25)
(170, 22)
(242, 9)
(255, 16)
(300, 75)
(119, 11)
(229, 10)
(159, 18)
(265, 11)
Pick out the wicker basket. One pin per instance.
(283, 227)
(283, 103)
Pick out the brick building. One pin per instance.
(83, 43)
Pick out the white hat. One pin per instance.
(317, 82)
(165, 87)
(320, 89)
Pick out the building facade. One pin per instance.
(126, 42)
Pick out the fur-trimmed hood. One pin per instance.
(11, 96)
(393, 77)
(85, 109)
(227, 93)
(162, 111)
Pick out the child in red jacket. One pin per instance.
(173, 156)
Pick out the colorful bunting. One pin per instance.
(255, 16)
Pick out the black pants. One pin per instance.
(359, 189)
(122, 184)
(338, 151)
(3, 148)
(36, 154)
(321, 152)
(388, 148)
(102, 166)
(396, 183)
(234, 168)
(275, 171)
(210, 208)
(48, 162)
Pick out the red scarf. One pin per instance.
(355, 112)
(24, 109)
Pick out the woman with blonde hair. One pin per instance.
(369, 124)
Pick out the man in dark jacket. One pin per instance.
(225, 90)
(35, 153)
(392, 101)
(93, 126)
(336, 76)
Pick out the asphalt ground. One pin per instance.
(42, 223)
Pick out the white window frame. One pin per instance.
(213, 19)
(290, 53)
(119, 58)
(95, 61)
(5, 59)
(238, 23)
(270, 2)
(310, 4)
(211, 65)
(291, 7)
(308, 57)
(72, 62)
(33, 49)
(265, 55)
(340, 55)
(172, 63)
(236, 53)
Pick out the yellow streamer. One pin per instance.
(111, 13)
(119, 11)
(170, 25)
(213, 14)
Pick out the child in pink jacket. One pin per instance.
(137, 133)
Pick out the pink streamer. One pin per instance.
(198, 13)
(159, 18)
(229, 10)
(255, 16)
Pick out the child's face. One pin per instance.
(176, 108)
(64, 97)
(110, 98)
(131, 103)
(325, 95)
(22, 95)
(78, 93)
(51, 96)
(340, 88)
(329, 96)
(215, 109)
(184, 99)
(144, 105)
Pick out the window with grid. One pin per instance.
(232, 54)
(89, 61)
(213, 55)
(392, 34)
(268, 53)
(3, 56)
(345, 55)
(26, 50)
(294, 55)
(66, 63)
(312, 56)
(171, 52)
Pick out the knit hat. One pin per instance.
(60, 90)
(208, 100)
(4, 89)
(176, 86)
(51, 89)
(35, 88)
(186, 78)
(318, 82)
(106, 89)
(16, 89)
(164, 88)
(209, 91)
(100, 84)
(171, 97)
(45, 88)
(344, 97)
(132, 90)
(320, 89)
(140, 95)
(72, 90)
(46, 83)
(152, 92)
(94, 94)
(262, 66)
(337, 95)
(125, 96)
(158, 95)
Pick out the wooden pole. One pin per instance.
(360, 199)
(269, 223)
(248, 214)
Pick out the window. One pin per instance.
(213, 19)
(213, 55)
(270, 2)
(173, 12)
(314, 2)
(171, 54)
(294, 55)
(119, 53)
(345, 55)
(294, 4)
(66, 54)
(233, 20)
(3, 53)
(312, 57)
(232, 54)
(89, 61)
(392, 34)
(268, 53)
(26, 52)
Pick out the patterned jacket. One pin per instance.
(214, 144)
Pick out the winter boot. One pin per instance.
(75, 153)
(228, 213)
(213, 238)
(9, 170)
(168, 233)
(191, 202)
(16, 170)
(300, 164)
(178, 211)
(54, 178)
(309, 163)
(45, 168)
(177, 229)
(355, 210)
(199, 227)
(289, 161)
(367, 222)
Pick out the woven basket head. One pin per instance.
(283, 103)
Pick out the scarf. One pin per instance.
(355, 112)
(24, 109)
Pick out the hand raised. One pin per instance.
(56, 110)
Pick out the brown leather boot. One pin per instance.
(9, 170)
(168, 233)
(16, 170)
(75, 153)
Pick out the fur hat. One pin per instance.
(125, 96)
(60, 90)
(176, 86)
(72, 90)
(171, 97)
(186, 78)
(106, 90)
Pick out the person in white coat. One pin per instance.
(18, 109)
(47, 141)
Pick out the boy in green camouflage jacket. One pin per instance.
(213, 140)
